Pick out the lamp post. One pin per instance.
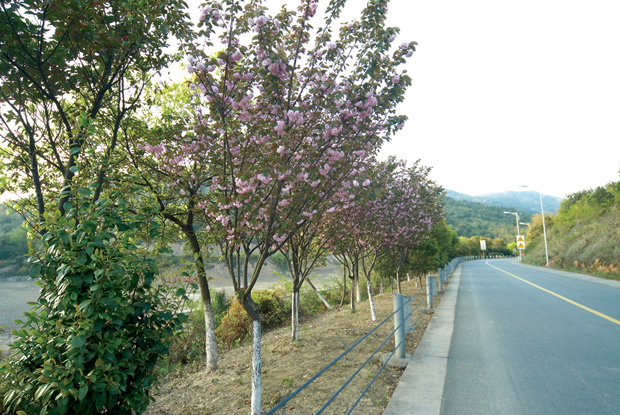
(518, 232)
(542, 213)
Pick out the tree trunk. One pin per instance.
(398, 279)
(327, 304)
(373, 312)
(344, 289)
(295, 314)
(356, 280)
(257, 379)
(210, 341)
(352, 295)
(205, 295)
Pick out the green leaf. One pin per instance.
(83, 305)
(78, 341)
(41, 391)
(84, 191)
(82, 392)
(35, 270)
(101, 401)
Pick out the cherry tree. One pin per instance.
(415, 209)
(288, 115)
(176, 185)
(395, 211)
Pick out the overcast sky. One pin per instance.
(508, 93)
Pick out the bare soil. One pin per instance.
(287, 364)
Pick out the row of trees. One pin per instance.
(270, 147)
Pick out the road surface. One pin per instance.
(531, 341)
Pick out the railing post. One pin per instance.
(430, 280)
(399, 326)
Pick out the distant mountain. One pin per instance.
(528, 201)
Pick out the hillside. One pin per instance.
(583, 236)
(528, 201)
(477, 219)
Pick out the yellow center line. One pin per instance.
(606, 317)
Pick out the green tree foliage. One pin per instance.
(434, 252)
(70, 73)
(101, 322)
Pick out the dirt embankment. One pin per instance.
(288, 364)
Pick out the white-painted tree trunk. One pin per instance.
(358, 293)
(295, 315)
(373, 312)
(257, 380)
(210, 342)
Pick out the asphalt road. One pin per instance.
(531, 341)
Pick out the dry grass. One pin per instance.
(287, 364)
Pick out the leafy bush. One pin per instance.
(236, 325)
(91, 342)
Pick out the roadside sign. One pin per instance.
(483, 244)
(520, 242)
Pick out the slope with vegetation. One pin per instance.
(477, 219)
(583, 236)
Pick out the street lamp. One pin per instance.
(517, 217)
(518, 232)
(542, 213)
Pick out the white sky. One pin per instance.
(508, 93)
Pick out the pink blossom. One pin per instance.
(204, 13)
(280, 127)
(261, 20)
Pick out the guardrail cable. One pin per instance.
(319, 373)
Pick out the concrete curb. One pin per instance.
(420, 389)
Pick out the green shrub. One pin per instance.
(90, 344)
(236, 325)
